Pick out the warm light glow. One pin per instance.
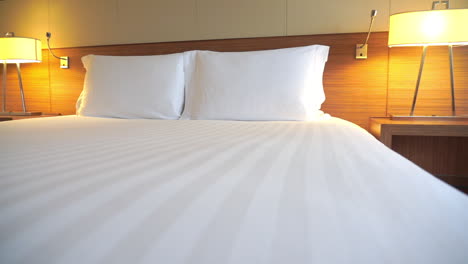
(432, 28)
(20, 50)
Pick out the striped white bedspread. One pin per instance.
(93, 190)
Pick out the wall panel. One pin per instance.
(397, 6)
(242, 18)
(106, 22)
(141, 21)
(35, 84)
(27, 18)
(335, 16)
(84, 22)
(434, 93)
(355, 89)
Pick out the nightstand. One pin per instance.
(8, 117)
(439, 146)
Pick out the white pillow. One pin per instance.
(283, 84)
(133, 86)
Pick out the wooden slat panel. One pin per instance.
(385, 128)
(445, 157)
(35, 83)
(355, 89)
(434, 92)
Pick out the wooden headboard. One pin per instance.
(355, 89)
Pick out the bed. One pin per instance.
(211, 179)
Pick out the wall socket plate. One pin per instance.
(65, 62)
(361, 51)
(440, 5)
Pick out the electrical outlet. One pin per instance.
(440, 5)
(361, 51)
(64, 62)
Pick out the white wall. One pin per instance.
(99, 22)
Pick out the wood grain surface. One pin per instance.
(348, 95)
(444, 157)
(386, 129)
(438, 146)
(355, 89)
(434, 93)
(16, 117)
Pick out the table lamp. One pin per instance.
(18, 50)
(446, 27)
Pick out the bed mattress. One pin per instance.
(96, 190)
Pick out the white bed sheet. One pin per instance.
(94, 190)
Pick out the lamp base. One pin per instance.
(429, 118)
(20, 113)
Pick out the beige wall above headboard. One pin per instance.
(106, 22)
(355, 89)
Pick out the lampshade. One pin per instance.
(20, 50)
(429, 28)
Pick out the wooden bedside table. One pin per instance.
(8, 117)
(439, 146)
(385, 128)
